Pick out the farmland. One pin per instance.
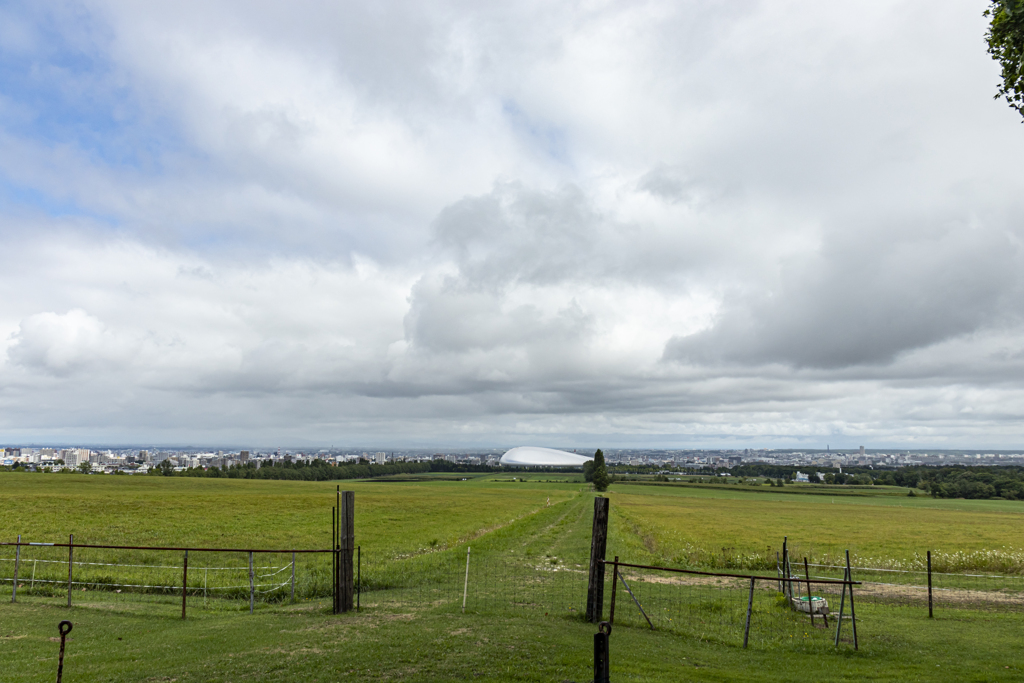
(545, 517)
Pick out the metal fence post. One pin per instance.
(615, 585)
(465, 588)
(930, 615)
(786, 586)
(71, 548)
(184, 583)
(842, 605)
(810, 601)
(750, 608)
(252, 586)
(601, 663)
(853, 612)
(17, 563)
(359, 574)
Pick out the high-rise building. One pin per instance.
(73, 457)
(862, 450)
(380, 458)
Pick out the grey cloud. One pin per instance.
(866, 302)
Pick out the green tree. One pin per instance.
(588, 470)
(1006, 45)
(85, 467)
(600, 476)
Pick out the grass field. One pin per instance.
(543, 520)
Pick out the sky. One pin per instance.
(655, 224)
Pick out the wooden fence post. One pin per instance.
(347, 528)
(598, 543)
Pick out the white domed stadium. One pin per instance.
(532, 456)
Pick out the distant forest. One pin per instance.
(958, 481)
(319, 470)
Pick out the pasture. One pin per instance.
(544, 519)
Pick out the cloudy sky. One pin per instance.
(679, 224)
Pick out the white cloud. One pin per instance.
(788, 220)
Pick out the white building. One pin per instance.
(531, 456)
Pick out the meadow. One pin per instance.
(540, 518)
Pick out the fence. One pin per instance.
(734, 608)
(212, 578)
(483, 582)
(762, 611)
(935, 590)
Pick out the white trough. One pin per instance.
(818, 605)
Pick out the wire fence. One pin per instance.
(761, 611)
(975, 591)
(193, 578)
(481, 582)
(732, 609)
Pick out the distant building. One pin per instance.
(528, 456)
(800, 476)
(380, 458)
(73, 457)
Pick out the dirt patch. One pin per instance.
(689, 580)
(946, 596)
(871, 591)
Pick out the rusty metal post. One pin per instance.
(184, 584)
(853, 612)
(17, 563)
(778, 570)
(63, 634)
(598, 544)
(842, 605)
(252, 586)
(601, 663)
(71, 549)
(787, 586)
(750, 608)
(930, 615)
(615, 584)
(810, 600)
(465, 588)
